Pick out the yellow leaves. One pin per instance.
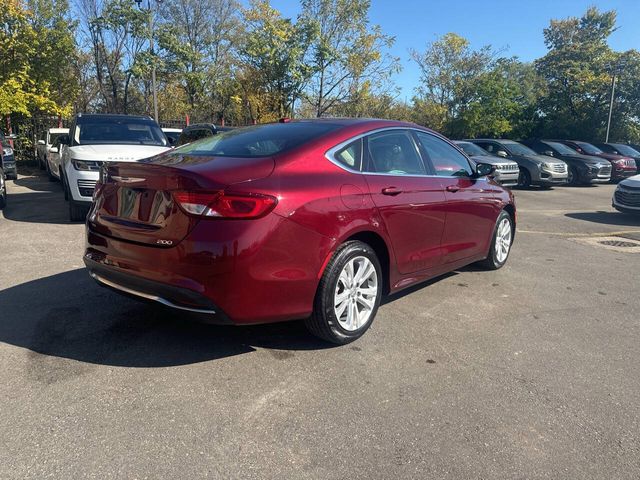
(20, 92)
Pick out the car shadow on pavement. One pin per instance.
(68, 315)
(607, 218)
(43, 202)
(38, 183)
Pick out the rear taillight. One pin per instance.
(224, 204)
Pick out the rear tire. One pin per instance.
(500, 243)
(348, 295)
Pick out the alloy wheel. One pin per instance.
(503, 240)
(355, 293)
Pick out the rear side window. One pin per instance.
(351, 155)
(258, 141)
(447, 160)
(394, 152)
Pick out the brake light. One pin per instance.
(225, 205)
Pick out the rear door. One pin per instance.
(411, 202)
(471, 203)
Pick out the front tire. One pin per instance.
(573, 179)
(500, 243)
(524, 180)
(348, 295)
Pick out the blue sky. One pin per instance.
(513, 25)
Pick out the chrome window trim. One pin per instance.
(329, 155)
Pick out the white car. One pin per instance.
(626, 198)
(49, 152)
(95, 139)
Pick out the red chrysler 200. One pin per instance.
(308, 219)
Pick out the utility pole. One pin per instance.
(613, 90)
(154, 88)
(615, 70)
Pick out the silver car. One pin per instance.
(507, 171)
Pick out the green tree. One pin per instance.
(197, 39)
(578, 70)
(347, 54)
(24, 88)
(272, 60)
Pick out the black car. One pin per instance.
(621, 149)
(3, 190)
(7, 158)
(199, 130)
(583, 169)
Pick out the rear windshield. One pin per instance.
(118, 131)
(258, 141)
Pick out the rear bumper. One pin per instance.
(247, 272)
(147, 290)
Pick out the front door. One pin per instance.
(411, 203)
(472, 203)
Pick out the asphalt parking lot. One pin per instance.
(532, 371)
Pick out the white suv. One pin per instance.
(95, 139)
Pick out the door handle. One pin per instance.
(453, 188)
(391, 191)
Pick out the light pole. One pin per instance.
(154, 89)
(615, 69)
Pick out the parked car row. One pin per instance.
(318, 219)
(556, 162)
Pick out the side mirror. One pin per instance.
(53, 150)
(41, 142)
(64, 140)
(502, 153)
(548, 153)
(484, 169)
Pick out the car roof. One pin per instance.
(59, 130)
(115, 116)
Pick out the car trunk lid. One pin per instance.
(136, 201)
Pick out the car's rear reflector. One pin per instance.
(224, 204)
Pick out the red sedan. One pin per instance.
(306, 219)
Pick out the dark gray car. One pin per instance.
(535, 169)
